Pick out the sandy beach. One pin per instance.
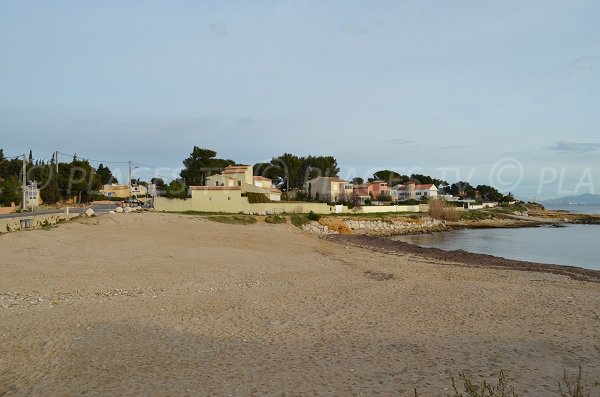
(151, 304)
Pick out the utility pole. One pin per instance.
(129, 180)
(56, 160)
(24, 183)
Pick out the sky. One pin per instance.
(505, 93)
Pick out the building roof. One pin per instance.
(423, 186)
(235, 169)
(275, 190)
(261, 178)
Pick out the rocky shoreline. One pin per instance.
(464, 258)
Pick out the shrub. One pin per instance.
(439, 209)
(275, 219)
(573, 387)
(256, 198)
(299, 220)
(313, 217)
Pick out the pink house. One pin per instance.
(377, 188)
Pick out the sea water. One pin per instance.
(575, 245)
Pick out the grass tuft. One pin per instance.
(275, 219)
(233, 219)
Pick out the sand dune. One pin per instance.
(160, 304)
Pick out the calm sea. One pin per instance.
(576, 208)
(576, 245)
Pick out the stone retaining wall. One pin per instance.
(8, 225)
(381, 227)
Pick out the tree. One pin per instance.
(78, 179)
(160, 184)
(177, 189)
(10, 191)
(508, 198)
(291, 172)
(314, 166)
(105, 175)
(50, 191)
(462, 189)
(201, 164)
(358, 181)
(426, 179)
(489, 193)
(391, 177)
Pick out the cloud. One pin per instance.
(575, 147)
(400, 141)
(219, 29)
(354, 28)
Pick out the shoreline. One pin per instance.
(461, 257)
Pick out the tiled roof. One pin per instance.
(424, 186)
(261, 178)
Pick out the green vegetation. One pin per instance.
(276, 219)
(256, 198)
(313, 216)
(475, 215)
(233, 219)
(177, 189)
(293, 171)
(200, 164)
(10, 191)
(299, 220)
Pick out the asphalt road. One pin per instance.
(98, 208)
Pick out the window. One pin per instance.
(209, 198)
(228, 198)
(239, 183)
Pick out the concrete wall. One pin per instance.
(291, 207)
(8, 210)
(392, 208)
(230, 201)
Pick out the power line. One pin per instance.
(96, 161)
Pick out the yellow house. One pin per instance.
(240, 176)
(123, 191)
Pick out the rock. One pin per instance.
(119, 209)
(89, 212)
(127, 210)
(111, 212)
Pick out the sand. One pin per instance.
(173, 305)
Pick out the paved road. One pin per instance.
(98, 208)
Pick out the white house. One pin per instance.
(328, 188)
(413, 191)
(240, 176)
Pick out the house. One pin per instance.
(328, 188)
(123, 191)
(378, 188)
(412, 191)
(361, 192)
(240, 176)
